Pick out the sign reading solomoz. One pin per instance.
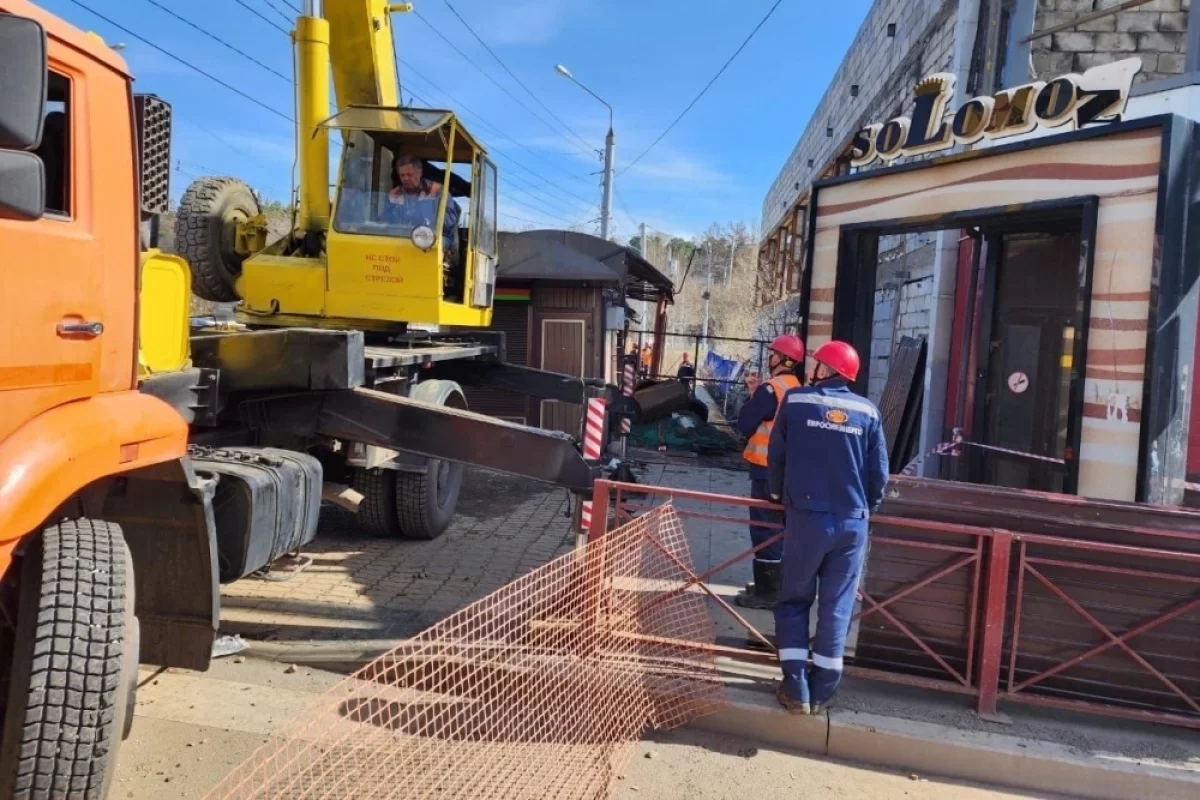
(1098, 95)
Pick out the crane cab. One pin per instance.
(421, 250)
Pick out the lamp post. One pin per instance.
(609, 143)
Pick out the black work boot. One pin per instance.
(766, 587)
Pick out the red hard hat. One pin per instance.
(789, 346)
(839, 357)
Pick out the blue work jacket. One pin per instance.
(828, 452)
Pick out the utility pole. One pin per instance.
(610, 142)
(646, 255)
(732, 250)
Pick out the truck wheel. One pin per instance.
(377, 513)
(205, 230)
(425, 503)
(74, 668)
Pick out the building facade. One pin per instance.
(922, 271)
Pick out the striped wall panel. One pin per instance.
(1123, 171)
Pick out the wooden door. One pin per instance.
(563, 349)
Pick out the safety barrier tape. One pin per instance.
(953, 448)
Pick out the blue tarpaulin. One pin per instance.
(723, 370)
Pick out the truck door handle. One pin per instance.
(82, 330)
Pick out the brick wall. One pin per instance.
(1155, 32)
(884, 69)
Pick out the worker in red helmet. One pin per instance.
(828, 466)
(785, 360)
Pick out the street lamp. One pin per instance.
(609, 143)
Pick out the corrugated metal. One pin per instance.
(513, 319)
(1050, 630)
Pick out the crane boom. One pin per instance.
(362, 53)
(353, 38)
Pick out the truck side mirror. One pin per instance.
(22, 186)
(23, 79)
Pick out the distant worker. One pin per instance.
(785, 361)
(413, 201)
(647, 358)
(829, 464)
(687, 372)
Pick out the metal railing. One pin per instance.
(996, 637)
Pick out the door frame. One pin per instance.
(854, 312)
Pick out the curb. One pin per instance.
(928, 749)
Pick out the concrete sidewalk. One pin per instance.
(362, 595)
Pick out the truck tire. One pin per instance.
(377, 513)
(74, 669)
(425, 502)
(205, 229)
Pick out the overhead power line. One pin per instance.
(510, 197)
(512, 75)
(624, 208)
(218, 40)
(707, 86)
(260, 15)
(491, 78)
(499, 152)
(182, 61)
(286, 17)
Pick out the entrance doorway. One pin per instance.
(1017, 340)
(1025, 352)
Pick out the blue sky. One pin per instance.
(648, 59)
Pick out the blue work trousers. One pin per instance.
(758, 534)
(822, 561)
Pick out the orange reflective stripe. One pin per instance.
(756, 448)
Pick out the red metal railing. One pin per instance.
(1176, 705)
(974, 567)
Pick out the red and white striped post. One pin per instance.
(593, 439)
(627, 377)
(627, 390)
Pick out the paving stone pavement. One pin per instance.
(360, 587)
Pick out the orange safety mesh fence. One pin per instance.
(537, 690)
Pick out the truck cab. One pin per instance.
(80, 169)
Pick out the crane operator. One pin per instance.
(413, 201)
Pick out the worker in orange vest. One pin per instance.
(755, 420)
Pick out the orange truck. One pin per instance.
(143, 461)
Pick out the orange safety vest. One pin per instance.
(756, 448)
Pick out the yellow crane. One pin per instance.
(409, 236)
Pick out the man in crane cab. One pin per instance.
(413, 201)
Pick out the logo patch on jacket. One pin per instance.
(835, 419)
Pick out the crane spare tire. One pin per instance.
(414, 504)
(206, 230)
